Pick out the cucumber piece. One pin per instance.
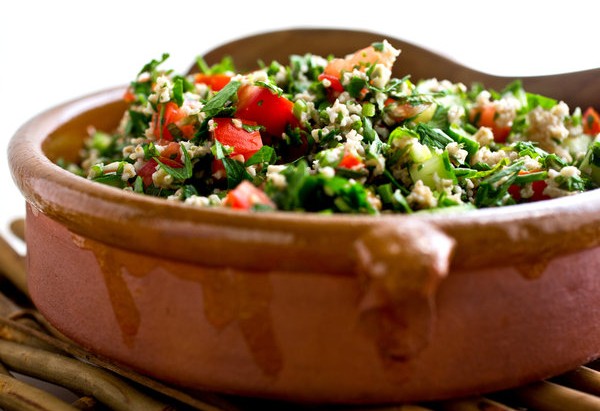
(426, 115)
(417, 152)
(462, 137)
(590, 165)
(438, 164)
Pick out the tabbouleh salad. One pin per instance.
(340, 135)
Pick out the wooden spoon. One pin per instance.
(578, 89)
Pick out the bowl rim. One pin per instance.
(67, 198)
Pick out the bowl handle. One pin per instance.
(399, 267)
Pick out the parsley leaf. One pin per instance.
(236, 172)
(493, 189)
(266, 154)
(216, 104)
(178, 92)
(182, 173)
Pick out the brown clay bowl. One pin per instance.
(303, 307)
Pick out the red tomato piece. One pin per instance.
(350, 161)
(146, 171)
(591, 122)
(538, 191)
(215, 81)
(336, 84)
(128, 96)
(486, 117)
(169, 156)
(171, 152)
(537, 187)
(244, 143)
(171, 114)
(261, 105)
(245, 196)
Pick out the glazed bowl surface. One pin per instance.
(319, 308)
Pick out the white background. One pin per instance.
(53, 51)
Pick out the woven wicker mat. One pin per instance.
(42, 370)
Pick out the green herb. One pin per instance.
(393, 198)
(153, 64)
(112, 180)
(216, 104)
(378, 46)
(224, 66)
(274, 89)
(494, 188)
(150, 151)
(188, 191)
(432, 137)
(522, 179)
(570, 183)
(182, 173)
(136, 124)
(178, 92)
(138, 185)
(251, 128)
(355, 86)
(265, 155)
(236, 172)
(535, 100)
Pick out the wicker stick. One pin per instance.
(405, 407)
(205, 404)
(12, 265)
(10, 310)
(4, 370)
(582, 378)
(17, 227)
(547, 396)
(86, 404)
(76, 376)
(19, 396)
(474, 404)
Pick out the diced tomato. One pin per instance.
(486, 117)
(128, 96)
(171, 152)
(350, 161)
(171, 114)
(336, 84)
(245, 196)
(261, 105)
(537, 187)
(169, 156)
(361, 59)
(243, 142)
(591, 122)
(146, 171)
(215, 81)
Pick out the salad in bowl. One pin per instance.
(341, 135)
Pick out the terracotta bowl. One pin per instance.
(344, 309)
